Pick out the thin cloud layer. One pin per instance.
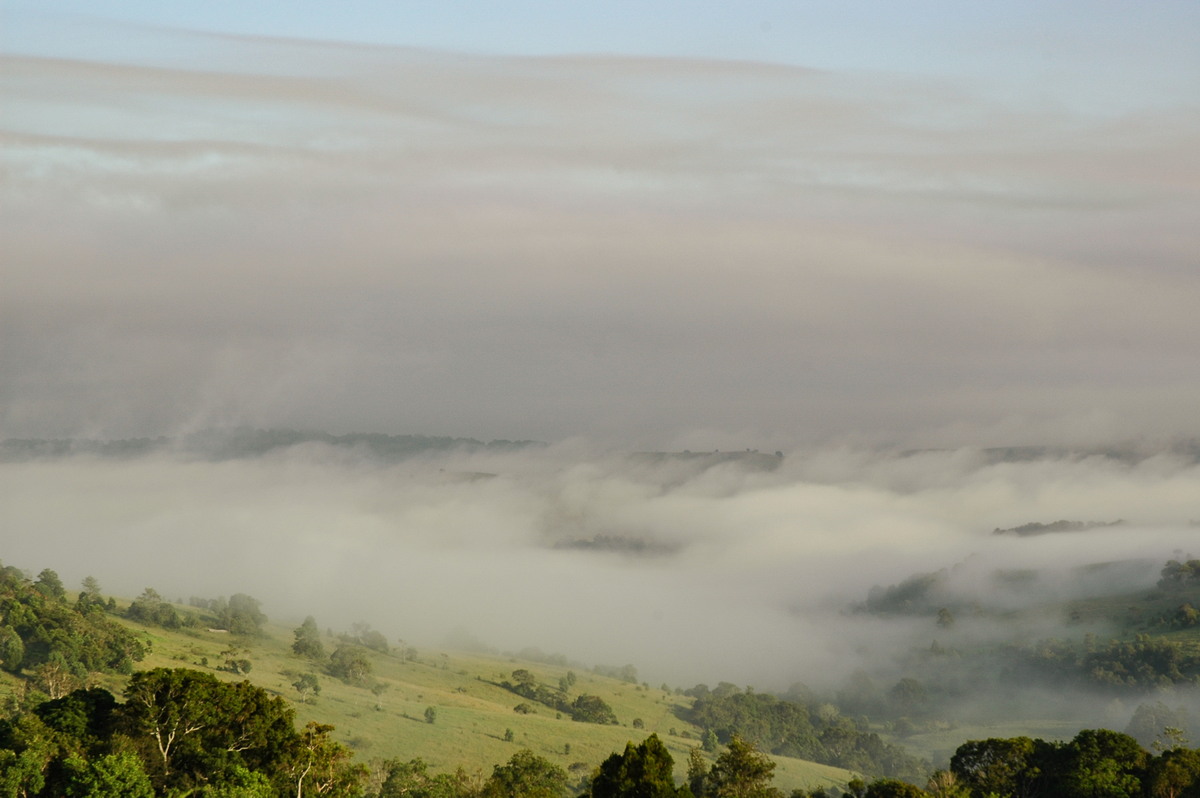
(636, 250)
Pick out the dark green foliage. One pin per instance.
(1100, 762)
(38, 629)
(524, 683)
(1002, 766)
(585, 708)
(592, 709)
(12, 649)
(87, 716)
(1096, 764)
(430, 714)
(308, 640)
(527, 775)
(110, 776)
(179, 732)
(151, 608)
(191, 728)
(1175, 774)
(891, 788)
(642, 771)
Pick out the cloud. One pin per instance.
(274, 232)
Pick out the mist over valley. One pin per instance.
(757, 569)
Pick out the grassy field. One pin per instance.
(473, 712)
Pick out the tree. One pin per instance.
(1151, 722)
(90, 598)
(430, 714)
(642, 771)
(196, 729)
(350, 664)
(323, 764)
(526, 775)
(412, 780)
(26, 752)
(944, 784)
(524, 682)
(997, 765)
(150, 608)
(892, 788)
(741, 771)
(241, 615)
(49, 585)
(697, 773)
(1103, 764)
(12, 649)
(592, 709)
(307, 683)
(111, 776)
(88, 717)
(908, 695)
(1173, 774)
(308, 640)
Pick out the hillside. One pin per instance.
(473, 711)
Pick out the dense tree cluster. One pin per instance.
(153, 610)
(1178, 576)
(59, 641)
(791, 728)
(178, 732)
(1140, 665)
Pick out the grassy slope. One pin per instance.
(472, 711)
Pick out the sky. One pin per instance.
(653, 224)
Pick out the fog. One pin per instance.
(719, 571)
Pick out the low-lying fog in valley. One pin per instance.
(749, 569)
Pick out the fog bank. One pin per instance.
(690, 572)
